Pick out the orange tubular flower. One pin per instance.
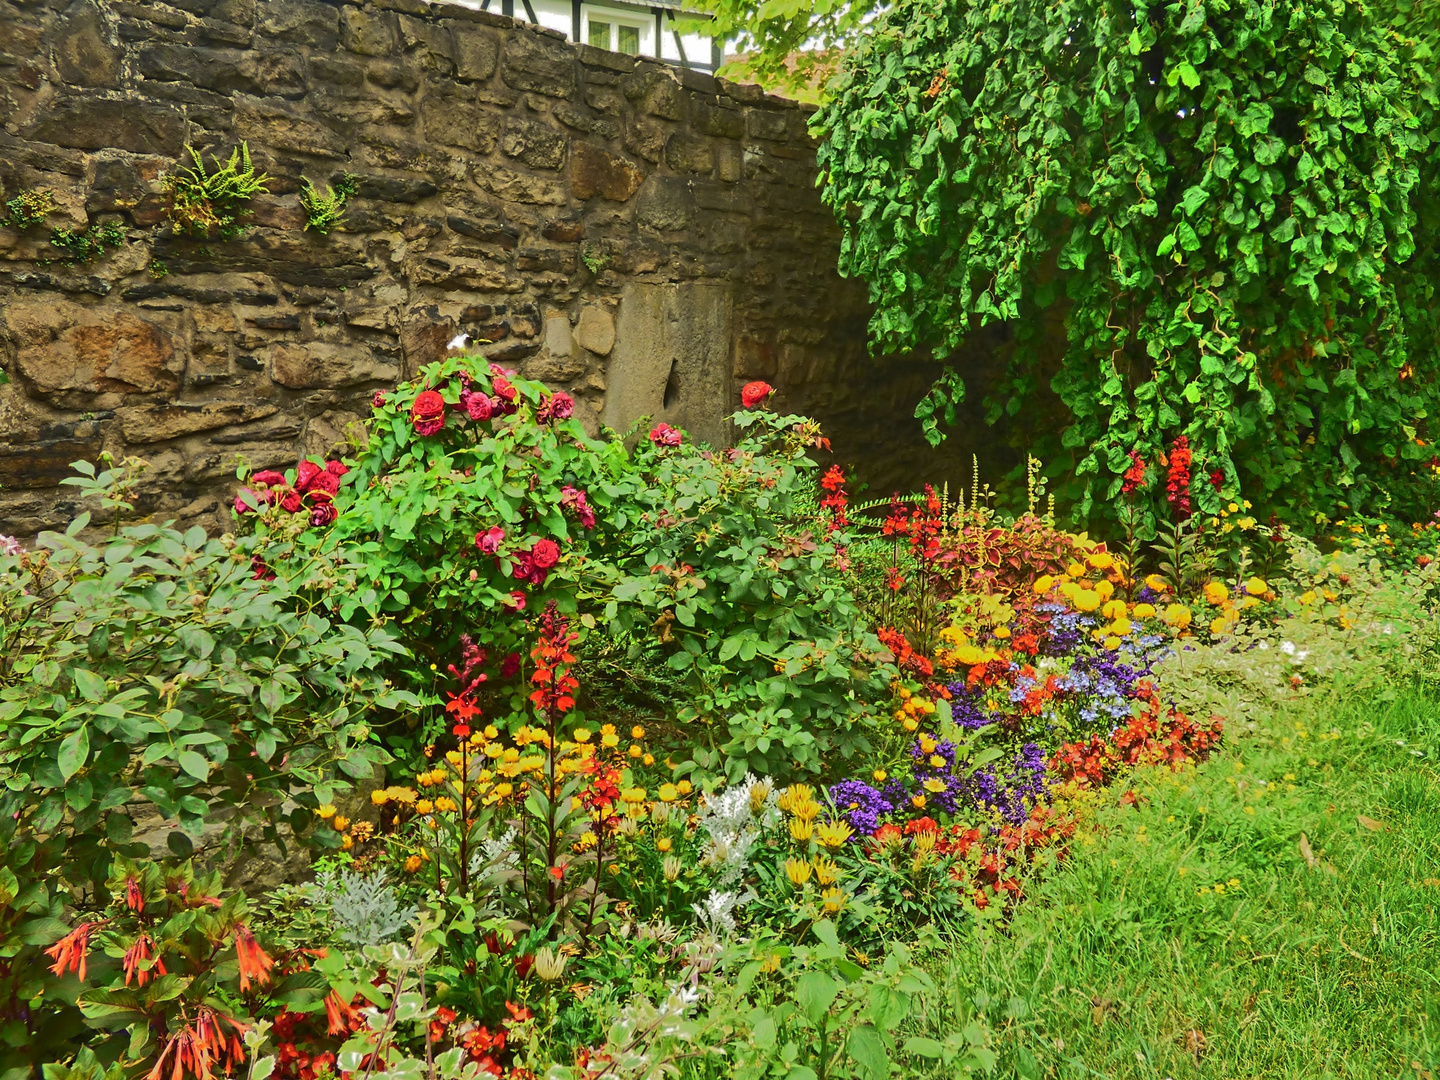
(70, 951)
(340, 1016)
(255, 963)
(136, 955)
(199, 1047)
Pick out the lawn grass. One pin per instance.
(1128, 963)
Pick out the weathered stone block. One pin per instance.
(665, 203)
(455, 123)
(724, 123)
(596, 329)
(476, 51)
(63, 346)
(325, 366)
(535, 144)
(305, 22)
(768, 125)
(369, 33)
(85, 50)
(265, 73)
(689, 153)
(519, 187)
(595, 171)
(566, 230)
(159, 423)
(284, 129)
(533, 62)
(502, 236)
(96, 122)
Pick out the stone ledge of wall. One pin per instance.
(511, 187)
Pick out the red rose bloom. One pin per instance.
(378, 400)
(293, 501)
(322, 510)
(476, 405)
(503, 389)
(269, 477)
(516, 601)
(489, 541)
(558, 406)
(546, 554)
(662, 434)
(428, 413)
(754, 393)
(339, 468)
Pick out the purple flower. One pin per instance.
(860, 804)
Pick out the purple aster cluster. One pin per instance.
(861, 805)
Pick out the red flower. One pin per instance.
(259, 570)
(428, 413)
(1134, 475)
(558, 406)
(293, 501)
(339, 468)
(516, 601)
(662, 434)
(134, 897)
(69, 952)
(341, 1017)
(574, 499)
(546, 554)
(136, 955)
(489, 541)
(377, 400)
(523, 964)
(1217, 479)
(476, 405)
(1177, 486)
(254, 962)
(322, 510)
(754, 393)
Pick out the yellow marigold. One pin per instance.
(952, 635)
(1076, 570)
(879, 776)
(669, 792)
(1104, 590)
(798, 871)
(1121, 626)
(911, 724)
(581, 735)
(1257, 586)
(607, 729)
(1216, 593)
(424, 806)
(610, 741)
(1144, 611)
(1043, 584)
(1086, 600)
(1100, 560)
(1068, 589)
(1219, 626)
(647, 760)
(833, 834)
(918, 802)
(635, 751)
(326, 812)
(1156, 583)
(1002, 632)
(1112, 642)
(1113, 609)
(378, 797)
(402, 795)
(1177, 615)
(684, 787)
(412, 864)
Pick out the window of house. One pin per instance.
(599, 34)
(629, 40)
(609, 30)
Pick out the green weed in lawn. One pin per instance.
(1275, 913)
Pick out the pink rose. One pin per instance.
(574, 499)
(489, 541)
(476, 405)
(546, 554)
(516, 601)
(269, 477)
(558, 406)
(662, 434)
(305, 473)
(428, 413)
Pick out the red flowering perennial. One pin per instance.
(1134, 476)
(1177, 484)
(427, 414)
(836, 499)
(555, 686)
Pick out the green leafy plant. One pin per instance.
(325, 209)
(210, 203)
(90, 243)
(157, 269)
(594, 258)
(28, 208)
(1229, 211)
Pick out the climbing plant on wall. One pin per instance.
(1224, 197)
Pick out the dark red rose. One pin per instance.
(503, 389)
(546, 553)
(428, 413)
(378, 400)
(305, 475)
(489, 541)
(293, 501)
(524, 568)
(259, 571)
(336, 468)
(476, 405)
(325, 481)
(322, 510)
(558, 406)
(754, 393)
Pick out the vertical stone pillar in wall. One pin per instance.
(671, 359)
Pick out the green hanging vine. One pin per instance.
(1229, 201)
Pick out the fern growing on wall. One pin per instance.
(325, 209)
(209, 203)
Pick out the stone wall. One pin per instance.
(647, 237)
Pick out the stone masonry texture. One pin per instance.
(646, 237)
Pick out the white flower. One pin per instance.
(459, 341)
(1288, 648)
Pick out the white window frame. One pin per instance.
(618, 17)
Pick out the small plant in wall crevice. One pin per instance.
(209, 203)
(326, 209)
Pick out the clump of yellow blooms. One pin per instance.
(913, 708)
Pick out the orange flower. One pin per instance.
(341, 1017)
(69, 952)
(138, 954)
(254, 962)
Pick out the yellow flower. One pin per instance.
(378, 797)
(1156, 583)
(1002, 632)
(347, 842)
(491, 731)
(798, 871)
(1307, 597)
(637, 732)
(610, 741)
(607, 729)
(453, 757)
(826, 872)
(412, 864)
(934, 786)
(326, 812)
(340, 823)
(834, 898)
(1076, 570)
(879, 776)
(1104, 590)
(937, 761)
(833, 834)
(446, 805)
(664, 843)
(403, 795)
(1086, 600)
(794, 796)
(1216, 593)
(1257, 586)
(1100, 560)
(1113, 609)
(669, 792)
(807, 811)
(911, 723)
(918, 802)
(1043, 584)
(1112, 642)
(1177, 615)
(635, 751)
(927, 744)
(1219, 626)
(684, 787)
(1144, 611)
(648, 759)
(581, 735)
(800, 829)
(424, 806)
(634, 795)
(1121, 626)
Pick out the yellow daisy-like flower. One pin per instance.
(1216, 593)
(833, 834)
(581, 735)
(424, 806)
(378, 797)
(934, 786)
(1156, 583)
(610, 741)
(684, 787)
(826, 872)
(637, 732)
(446, 805)
(403, 795)
(910, 723)
(648, 759)
(1121, 626)
(1144, 611)
(936, 761)
(491, 731)
(798, 871)
(927, 743)
(347, 842)
(635, 751)
(607, 729)
(634, 795)
(918, 802)
(834, 898)
(1257, 586)
(800, 829)
(669, 793)
(326, 812)
(340, 823)
(664, 843)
